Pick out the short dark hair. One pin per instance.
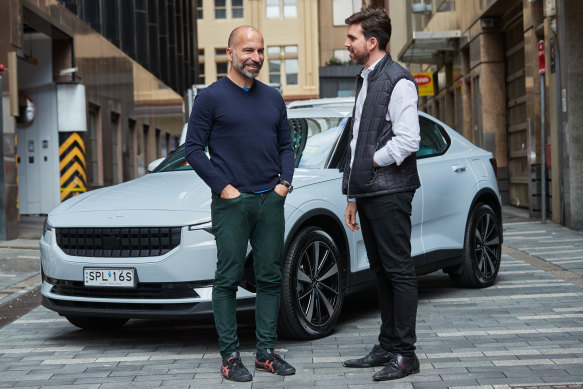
(375, 23)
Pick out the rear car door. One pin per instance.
(447, 183)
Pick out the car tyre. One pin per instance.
(482, 249)
(96, 323)
(313, 286)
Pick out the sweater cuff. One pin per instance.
(286, 177)
(218, 186)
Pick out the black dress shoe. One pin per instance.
(399, 367)
(377, 357)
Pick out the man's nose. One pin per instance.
(256, 56)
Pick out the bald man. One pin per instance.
(244, 124)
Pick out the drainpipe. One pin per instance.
(543, 170)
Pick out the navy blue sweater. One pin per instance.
(247, 134)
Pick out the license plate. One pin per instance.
(109, 277)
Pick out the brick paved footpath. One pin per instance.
(525, 331)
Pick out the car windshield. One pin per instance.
(313, 140)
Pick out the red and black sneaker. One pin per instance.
(273, 363)
(234, 370)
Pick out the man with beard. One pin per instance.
(380, 180)
(244, 124)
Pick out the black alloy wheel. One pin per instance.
(482, 249)
(313, 286)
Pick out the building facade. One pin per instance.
(92, 91)
(489, 59)
(290, 32)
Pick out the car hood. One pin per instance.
(159, 199)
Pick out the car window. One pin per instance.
(314, 139)
(432, 140)
(174, 162)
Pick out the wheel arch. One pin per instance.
(327, 221)
(487, 196)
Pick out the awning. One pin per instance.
(430, 47)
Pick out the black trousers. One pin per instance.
(386, 228)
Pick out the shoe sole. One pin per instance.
(362, 366)
(272, 372)
(231, 379)
(396, 378)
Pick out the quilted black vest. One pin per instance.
(375, 131)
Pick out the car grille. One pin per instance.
(118, 242)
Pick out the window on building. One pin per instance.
(130, 152)
(341, 9)
(158, 143)
(222, 69)
(279, 8)
(200, 79)
(459, 113)
(283, 64)
(143, 149)
(273, 53)
(199, 9)
(222, 62)
(228, 8)
(237, 9)
(116, 165)
(220, 9)
(94, 135)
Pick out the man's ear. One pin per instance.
(372, 43)
(229, 54)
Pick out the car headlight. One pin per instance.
(47, 227)
(206, 225)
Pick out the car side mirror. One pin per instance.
(154, 164)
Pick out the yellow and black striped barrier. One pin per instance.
(72, 165)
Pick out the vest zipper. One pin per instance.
(348, 187)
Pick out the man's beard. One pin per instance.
(358, 59)
(241, 67)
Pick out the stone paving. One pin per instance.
(526, 331)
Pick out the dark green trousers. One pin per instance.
(256, 218)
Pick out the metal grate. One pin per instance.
(118, 242)
(19, 306)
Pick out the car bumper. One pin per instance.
(135, 309)
(176, 284)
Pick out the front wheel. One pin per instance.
(313, 286)
(482, 249)
(96, 323)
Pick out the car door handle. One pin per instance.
(458, 168)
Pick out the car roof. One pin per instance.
(329, 112)
(325, 102)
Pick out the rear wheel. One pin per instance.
(313, 286)
(482, 249)
(96, 323)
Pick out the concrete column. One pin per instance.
(570, 34)
(492, 88)
(10, 30)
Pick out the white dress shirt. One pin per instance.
(402, 111)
